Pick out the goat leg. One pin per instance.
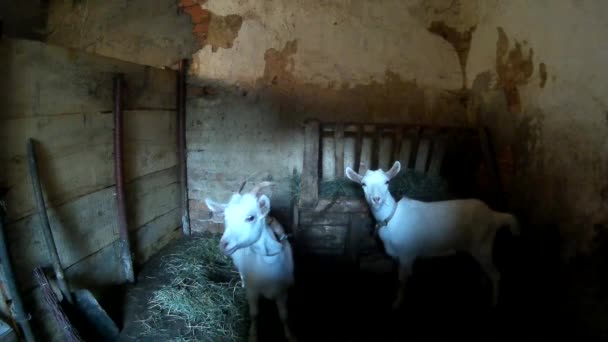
(405, 270)
(252, 300)
(282, 308)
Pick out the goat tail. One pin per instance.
(505, 219)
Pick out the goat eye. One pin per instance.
(363, 184)
(249, 218)
(386, 182)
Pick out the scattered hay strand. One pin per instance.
(205, 295)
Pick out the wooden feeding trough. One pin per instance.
(340, 226)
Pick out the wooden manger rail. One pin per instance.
(336, 227)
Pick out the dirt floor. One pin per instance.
(333, 301)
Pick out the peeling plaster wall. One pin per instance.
(531, 71)
(552, 115)
(294, 60)
(151, 33)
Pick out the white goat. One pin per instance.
(410, 228)
(264, 260)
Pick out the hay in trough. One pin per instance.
(205, 296)
(409, 183)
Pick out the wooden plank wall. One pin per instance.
(63, 99)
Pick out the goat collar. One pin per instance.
(384, 223)
(278, 238)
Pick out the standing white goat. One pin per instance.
(264, 260)
(410, 228)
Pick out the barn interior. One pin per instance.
(119, 118)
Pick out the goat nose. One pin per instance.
(376, 199)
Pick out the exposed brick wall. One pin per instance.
(201, 18)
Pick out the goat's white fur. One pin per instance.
(429, 229)
(264, 263)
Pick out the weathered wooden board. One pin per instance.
(98, 270)
(155, 234)
(76, 153)
(315, 218)
(63, 178)
(63, 99)
(152, 196)
(343, 205)
(45, 80)
(80, 228)
(322, 239)
(60, 135)
(150, 142)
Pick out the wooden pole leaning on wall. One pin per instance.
(19, 314)
(125, 247)
(181, 144)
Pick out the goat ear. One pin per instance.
(215, 206)
(264, 204)
(352, 175)
(394, 170)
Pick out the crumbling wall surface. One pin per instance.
(530, 71)
(152, 33)
(538, 74)
(63, 99)
(293, 60)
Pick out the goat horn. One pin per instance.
(247, 179)
(259, 187)
(242, 186)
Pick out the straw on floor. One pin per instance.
(205, 295)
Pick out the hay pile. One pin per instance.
(205, 297)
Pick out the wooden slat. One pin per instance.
(358, 148)
(151, 196)
(80, 228)
(438, 152)
(99, 269)
(423, 155)
(48, 80)
(376, 138)
(414, 148)
(396, 148)
(76, 154)
(156, 234)
(310, 171)
(322, 239)
(339, 150)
